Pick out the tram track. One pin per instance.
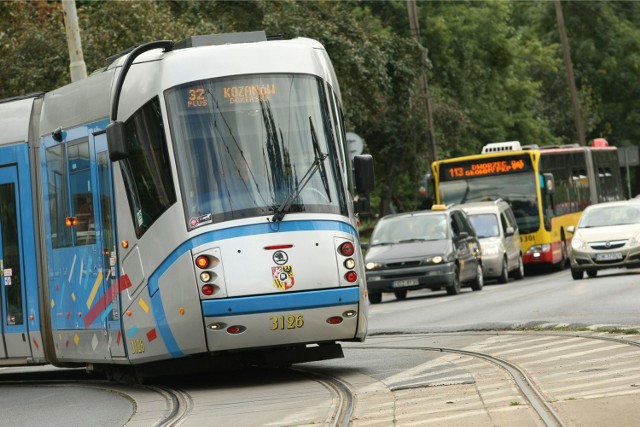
(345, 397)
(527, 387)
(178, 402)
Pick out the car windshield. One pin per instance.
(409, 229)
(486, 225)
(253, 145)
(601, 216)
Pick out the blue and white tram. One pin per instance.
(190, 200)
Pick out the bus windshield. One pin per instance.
(250, 145)
(518, 189)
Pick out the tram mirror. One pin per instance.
(116, 141)
(363, 171)
(549, 183)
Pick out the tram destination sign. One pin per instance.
(489, 166)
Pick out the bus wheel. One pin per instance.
(504, 274)
(518, 273)
(401, 294)
(592, 273)
(576, 274)
(454, 287)
(375, 297)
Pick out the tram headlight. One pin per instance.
(350, 263)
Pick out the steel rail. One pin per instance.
(344, 408)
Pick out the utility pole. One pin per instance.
(577, 116)
(424, 84)
(77, 66)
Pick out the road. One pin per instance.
(540, 300)
(543, 351)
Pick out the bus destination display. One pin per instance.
(485, 167)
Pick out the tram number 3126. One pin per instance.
(291, 321)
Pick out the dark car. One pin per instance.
(428, 249)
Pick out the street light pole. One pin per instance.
(424, 84)
(577, 116)
(77, 67)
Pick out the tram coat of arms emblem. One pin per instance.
(283, 277)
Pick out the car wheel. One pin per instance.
(454, 287)
(518, 274)
(576, 274)
(401, 294)
(592, 273)
(504, 274)
(478, 282)
(375, 297)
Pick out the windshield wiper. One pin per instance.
(317, 164)
(318, 153)
(412, 240)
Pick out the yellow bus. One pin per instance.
(547, 187)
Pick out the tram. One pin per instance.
(190, 201)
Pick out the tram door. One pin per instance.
(107, 245)
(12, 307)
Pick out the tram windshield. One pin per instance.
(254, 145)
(517, 189)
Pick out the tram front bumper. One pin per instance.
(283, 319)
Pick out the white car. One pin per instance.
(607, 236)
(497, 230)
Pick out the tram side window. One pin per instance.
(10, 252)
(147, 171)
(58, 197)
(81, 193)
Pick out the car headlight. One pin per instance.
(576, 243)
(490, 249)
(635, 240)
(433, 259)
(373, 266)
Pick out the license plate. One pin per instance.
(288, 321)
(405, 283)
(612, 256)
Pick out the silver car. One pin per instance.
(607, 236)
(497, 231)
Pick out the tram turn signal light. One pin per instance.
(202, 262)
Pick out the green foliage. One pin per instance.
(495, 68)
